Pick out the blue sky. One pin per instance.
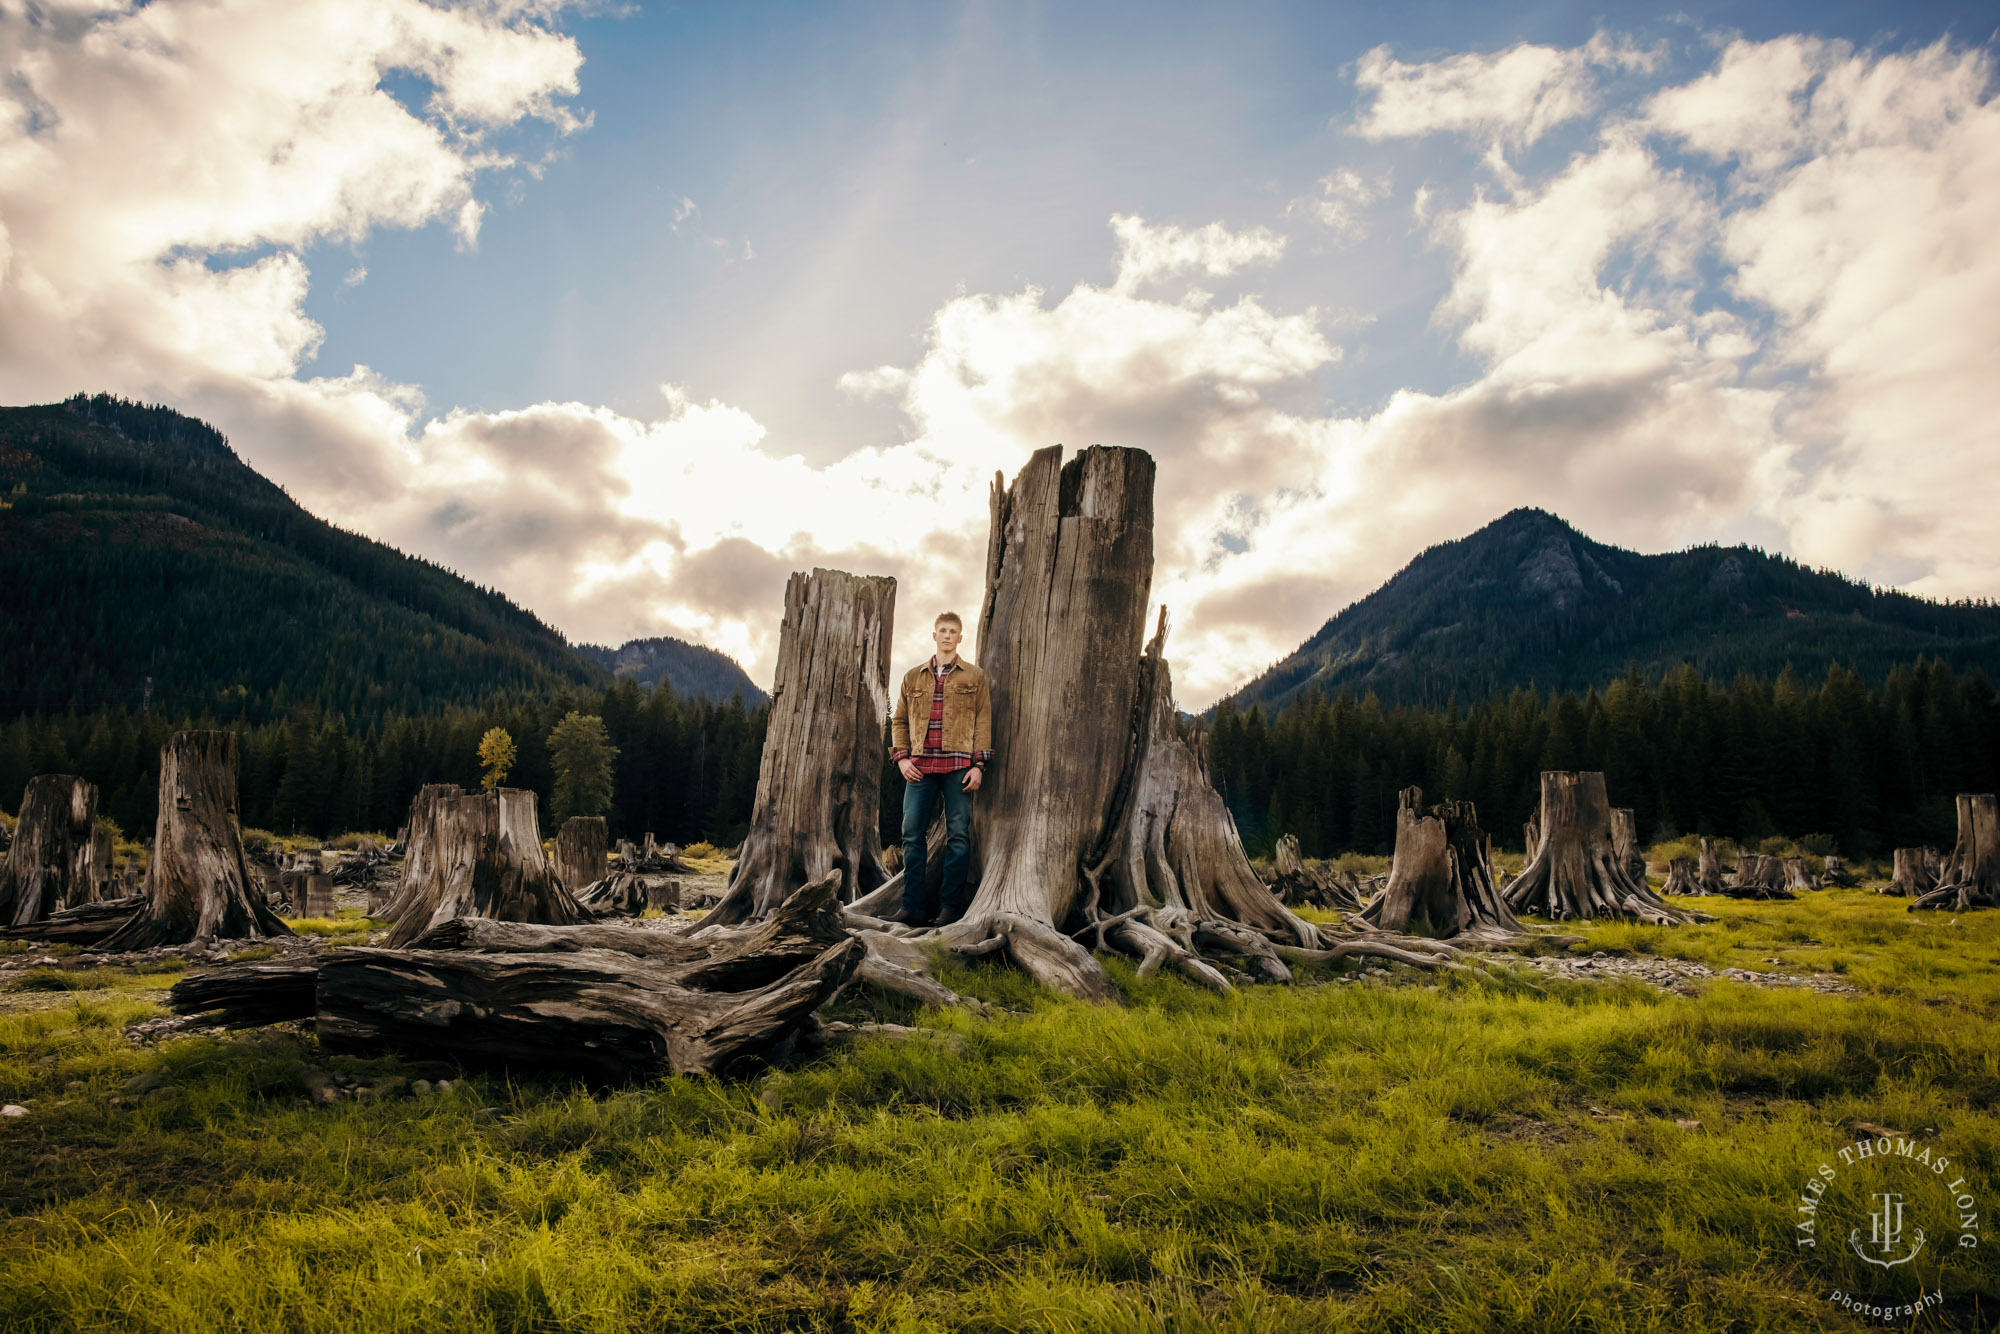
(630, 313)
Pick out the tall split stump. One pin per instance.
(1970, 877)
(819, 784)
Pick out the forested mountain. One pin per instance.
(144, 563)
(690, 669)
(1527, 601)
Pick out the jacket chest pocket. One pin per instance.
(965, 691)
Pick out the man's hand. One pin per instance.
(971, 783)
(908, 768)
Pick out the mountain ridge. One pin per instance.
(1528, 600)
(147, 564)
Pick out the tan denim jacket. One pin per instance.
(968, 713)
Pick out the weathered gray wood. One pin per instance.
(481, 857)
(1758, 876)
(1576, 872)
(607, 1000)
(1681, 879)
(1296, 881)
(198, 885)
(1909, 879)
(1708, 877)
(818, 806)
(1971, 875)
(59, 858)
(317, 896)
(580, 852)
(86, 924)
(1837, 873)
(1796, 880)
(420, 842)
(1442, 877)
(1625, 842)
(1069, 568)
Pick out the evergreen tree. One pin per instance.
(581, 753)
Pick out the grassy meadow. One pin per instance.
(1404, 1151)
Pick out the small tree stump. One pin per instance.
(1971, 877)
(580, 852)
(481, 857)
(1442, 877)
(1577, 873)
(1708, 875)
(57, 860)
(1757, 877)
(1836, 873)
(1796, 879)
(1296, 881)
(318, 896)
(663, 895)
(1681, 879)
(1909, 880)
(198, 885)
(819, 797)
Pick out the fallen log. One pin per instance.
(84, 925)
(607, 1001)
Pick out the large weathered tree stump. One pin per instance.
(481, 856)
(1971, 876)
(1909, 879)
(1441, 881)
(580, 852)
(819, 786)
(1576, 872)
(198, 885)
(58, 859)
(1098, 827)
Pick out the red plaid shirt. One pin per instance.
(936, 759)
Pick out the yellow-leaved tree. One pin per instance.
(497, 753)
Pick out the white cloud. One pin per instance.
(1512, 97)
(1148, 254)
(162, 170)
(1342, 196)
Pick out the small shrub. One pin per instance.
(700, 852)
(351, 840)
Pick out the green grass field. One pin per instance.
(1416, 1153)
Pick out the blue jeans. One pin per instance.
(919, 800)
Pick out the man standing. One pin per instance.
(945, 760)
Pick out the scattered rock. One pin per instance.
(13, 1109)
(1687, 1125)
(144, 1082)
(1878, 1132)
(422, 1088)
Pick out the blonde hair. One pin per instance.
(951, 616)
